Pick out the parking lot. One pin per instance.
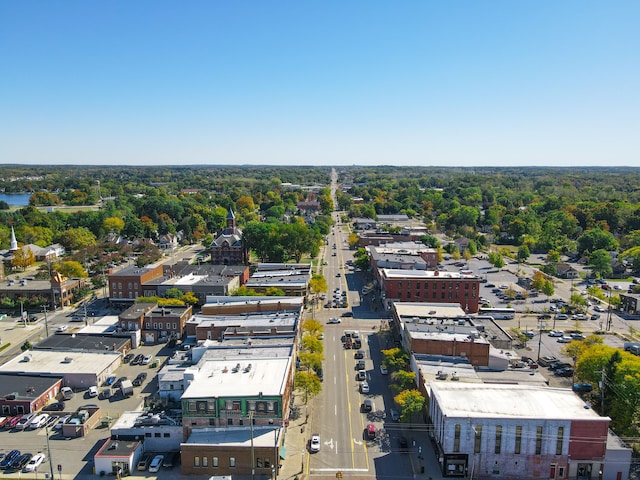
(74, 455)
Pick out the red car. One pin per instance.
(4, 421)
(14, 421)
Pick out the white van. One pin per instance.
(93, 391)
(66, 393)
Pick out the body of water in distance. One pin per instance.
(15, 199)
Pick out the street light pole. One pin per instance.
(49, 452)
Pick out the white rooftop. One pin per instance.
(215, 378)
(424, 309)
(236, 436)
(60, 363)
(471, 400)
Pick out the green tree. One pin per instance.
(312, 327)
(578, 301)
(274, 292)
(411, 402)
(76, 238)
(523, 253)
(395, 359)
(311, 361)
(496, 259)
(548, 289)
(596, 239)
(309, 383)
(174, 293)
(243, 291)
(311, 343)
(600, 262)
(402, 380)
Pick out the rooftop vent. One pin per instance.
(247, 368)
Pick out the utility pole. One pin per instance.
(253, 453)
(46, 323)
(49, 452)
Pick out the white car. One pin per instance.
(315, 443)
(556, 333)
(333, 320)
(61, 422)
(565, 339)
(146, 360)
(383, 370)
(364, 387)
(34, 463)
(62, 328)
(39, 421)
(156, 463)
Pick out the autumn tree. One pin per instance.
(76, 238)
(411, 402)
(70, 269)
(113, 224)
(395, 359)
(23, 258)
(309, 383)
(402, 380)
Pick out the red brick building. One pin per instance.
(126, 285)
(430, 286)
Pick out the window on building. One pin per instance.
(251, 404)
(538, 440)
(6, 409)
(214, 462)
(267, 463)
(129, 285)
(258, 462)
(135, 285)
(229, 421)
(192, 405)
(559, 440)
(205, 462)
(157, 434)
(236, 406)
(155, 325)
(560, 472)
(212, 422)
(175, 326)
(147, 434)
(498, 438)
(166, 435)
(196, 462)
(477, 442)
(232, 462)
(518, 444)
(456, 438)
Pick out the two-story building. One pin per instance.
(126, 285)
(522, 431)
(155, 323)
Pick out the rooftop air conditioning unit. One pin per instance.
(68, 359)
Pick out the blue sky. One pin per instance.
(464, 83)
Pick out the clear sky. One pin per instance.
(449, 82)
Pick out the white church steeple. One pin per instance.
(13, 242)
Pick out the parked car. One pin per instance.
(24, 421)
(61, 328)
(529, 333)
(156, 463)
(556, 333)
(395, 415)
(137, 359)
(34, 463)
(20, 462)
(364, 387)
(347, 314)
(562, 316)
(9, 459)
(361, 375)
(146, 360)
(333, 320)
(144, 462)
(110, 381)
(383, 370)
(128, 357)
(578, 336)
(61, 421)
(565, 339)
(367, 405)
(38, 421)
(54, 407)
(119, 382)
(314, 446)
(564, 372)
(370, 431)
(360, 365)
(13, 422)
(559, 365)
(582, 387)
(93, 391)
